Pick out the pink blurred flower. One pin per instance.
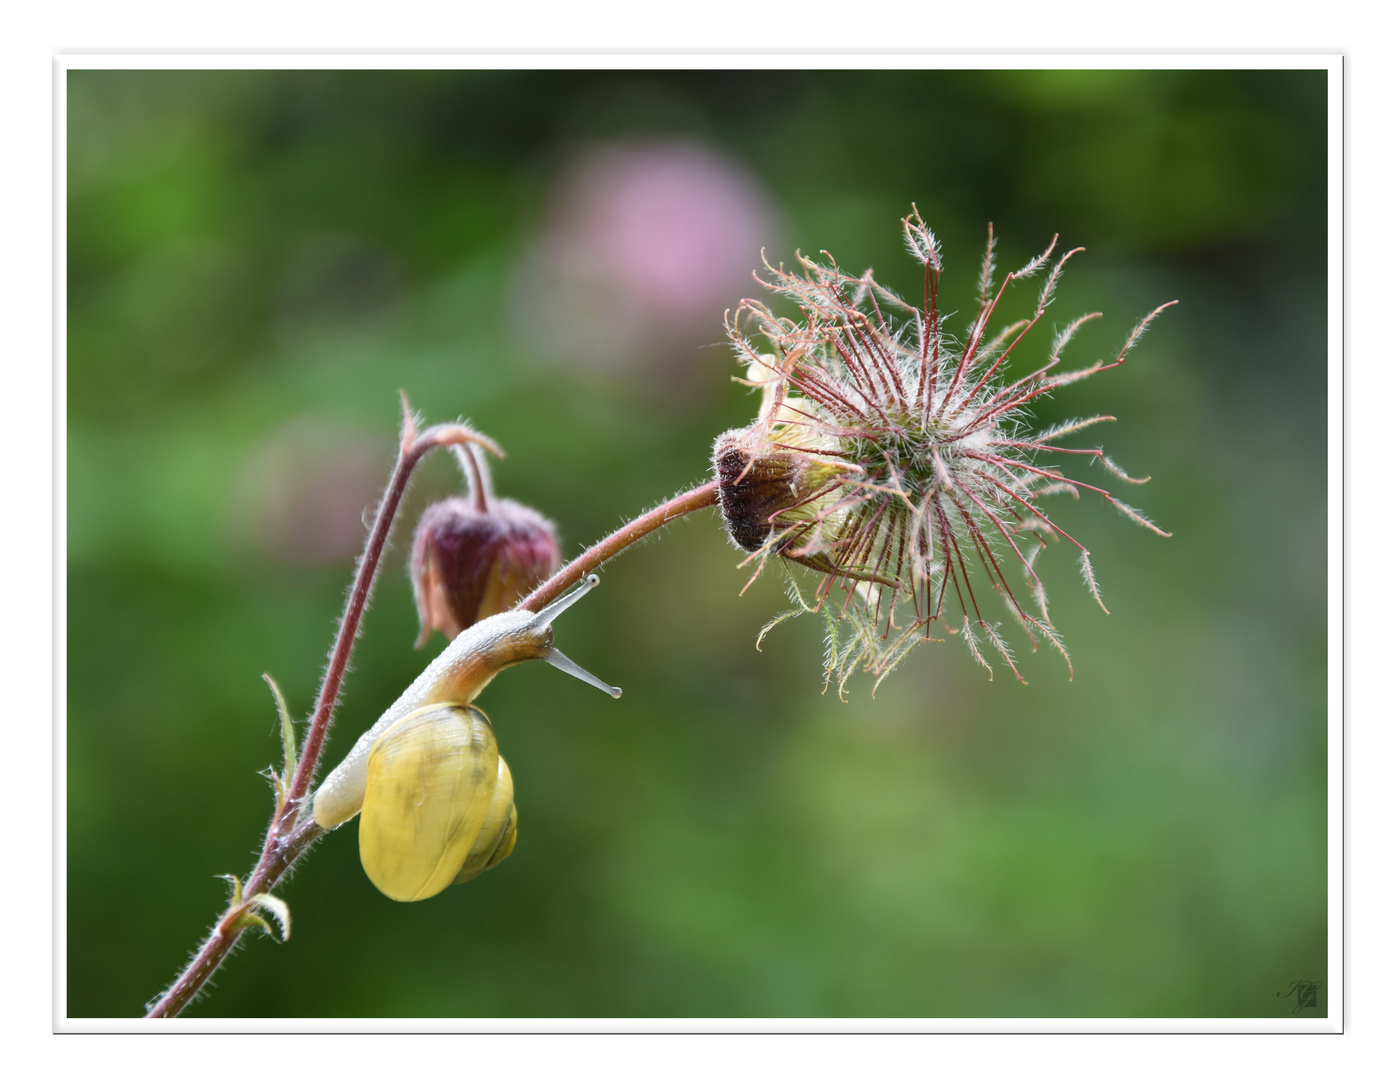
(643, 248)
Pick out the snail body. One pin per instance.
(434, 794)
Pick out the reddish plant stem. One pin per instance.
(611, 545)
(475, 479)
(286, 839)
(277, 856)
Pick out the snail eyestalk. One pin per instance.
(547, 614)
(558, 659)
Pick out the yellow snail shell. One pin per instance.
(435, 797)
(438, 807)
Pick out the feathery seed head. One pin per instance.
(899, 463)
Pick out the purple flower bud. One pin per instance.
(468, 563)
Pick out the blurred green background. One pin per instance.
(258, 261)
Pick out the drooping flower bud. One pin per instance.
(477, 556)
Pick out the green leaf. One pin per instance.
(277, 909)
(248, 919)
(287, 730)
(236, 888)
(272, 905)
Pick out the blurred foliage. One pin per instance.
(251, 253)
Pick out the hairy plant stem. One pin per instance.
(287, 837)
(611, 545)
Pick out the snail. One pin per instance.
(435, 795)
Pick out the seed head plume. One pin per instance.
(898, 463)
